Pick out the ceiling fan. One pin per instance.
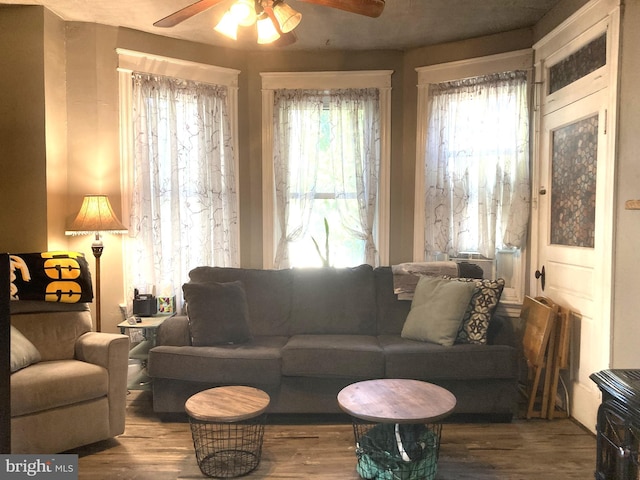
(275, 19)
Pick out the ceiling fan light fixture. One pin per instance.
(228, 26)
(267, 31)
(244, 12)
(287, 17)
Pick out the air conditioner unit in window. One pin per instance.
(488, 265)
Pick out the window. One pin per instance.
(333, 196)
(327, 165)
(474, 172)
(180, 177)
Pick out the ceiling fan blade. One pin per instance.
(187, 12)
(370, 8)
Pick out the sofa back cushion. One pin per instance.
(268, 294)
(333, 301)
(52, 328)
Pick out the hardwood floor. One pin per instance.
(159, 449)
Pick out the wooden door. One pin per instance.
(574, 155)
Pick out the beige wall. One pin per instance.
(23, 196)
(55, 88)
(626, 301)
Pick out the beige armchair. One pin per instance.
(75, 394)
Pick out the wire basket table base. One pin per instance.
(226, 450)
(397, 451)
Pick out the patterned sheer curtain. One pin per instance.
(477, 165)
(297, 128)
(355, 119)
(352, 150)
(183, 210)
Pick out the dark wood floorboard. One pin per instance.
(157, 449)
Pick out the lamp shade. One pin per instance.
(267, 31)
(244, 12)
(95, 215)
(287, 17)
(228, 26)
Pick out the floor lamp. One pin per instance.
(94, 218)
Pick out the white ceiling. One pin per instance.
(403, 23)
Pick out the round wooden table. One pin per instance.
(227, 426)
(392, 400)
(396, 426)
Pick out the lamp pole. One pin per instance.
(97, 247)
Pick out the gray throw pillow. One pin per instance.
(23, 352)
(218, 313)
(437, 310)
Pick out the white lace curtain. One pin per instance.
(354, 151)
(477, 190)
(183, 210)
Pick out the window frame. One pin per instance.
(451, 71)
(130, 61)
(271, 81)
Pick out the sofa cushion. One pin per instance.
(257, 361)
(437, 309)
(57, 383)
(23, 352)
(268, 294)
(356, 356)
(405, 358)
(475, 323)
(218, 313)
(333, 301)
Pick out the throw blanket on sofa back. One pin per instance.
(51, 276)
(406, 275)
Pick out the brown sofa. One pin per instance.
(74, 392)
(314, 331)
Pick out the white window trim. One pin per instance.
(130, 61)
(443, 72)
(272, 81)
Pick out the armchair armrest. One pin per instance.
(104, 349)
(111, 351)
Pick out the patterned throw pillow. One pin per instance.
(475, 323)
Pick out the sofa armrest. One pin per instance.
(174, 331)
(111, 351)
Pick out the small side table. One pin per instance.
(227, 426)
(396, 426)
(149, 327)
